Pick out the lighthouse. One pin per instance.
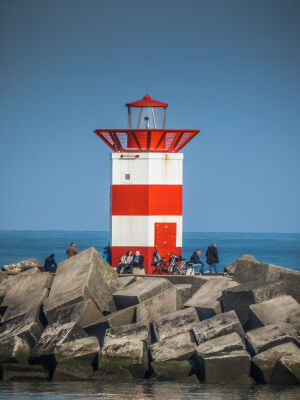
(146, 182)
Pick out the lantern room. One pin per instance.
(146, 130)
(147, 113)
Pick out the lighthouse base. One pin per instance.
(146, 252)
(146, 205)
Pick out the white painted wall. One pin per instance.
(138, 230)
(147, 169)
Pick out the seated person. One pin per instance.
(125, 265)
(197, 264)
(50, 264)
(137, 263)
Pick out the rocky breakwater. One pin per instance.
(86, 322)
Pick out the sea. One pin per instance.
(276, 248)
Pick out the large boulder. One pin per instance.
(76, 360)
(207, 299)
(130, 332)
(140, 291)
(219, 325)
(175, 323)
(269, 336)
(16, 268)
(263, 363)
(156, 306)
(248, 269)
(84, 276)
(125, 360)
(239, 298)
(274, 311)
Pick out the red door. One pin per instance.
(165, 237)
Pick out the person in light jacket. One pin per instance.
(125, 264)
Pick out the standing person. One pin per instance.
(198, 265)
(50, 264)
(71, 250)
(107, 254)
(125, 264)
(212, 258)
(137, 263)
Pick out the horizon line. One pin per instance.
(95, 230)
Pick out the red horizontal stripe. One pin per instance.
(147, 252)
(146, 200)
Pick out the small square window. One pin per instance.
(127, 177)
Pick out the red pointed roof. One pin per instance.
(146, 101)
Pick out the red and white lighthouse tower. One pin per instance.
(146, 186)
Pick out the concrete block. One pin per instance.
(76, 360)
(125, 360)
(263, 363)
(25, 294)
(161, 304)
(239, 298)
(24, 372)
(63, 328)
(173, 370)
(269, 336)
(207, 299)
(287, 370)
(248, 269)
(184, 293)
(175, 323)
(117, 318)
(221, 344)
(274, 311)
(219, 325)
(140, 291)
(124, 281)
(229, 368)
(80, 278)
(23, 327)
(130, 332)
(179, 347)
(14, 350)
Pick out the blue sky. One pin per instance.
(229, 68)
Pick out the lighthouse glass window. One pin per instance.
(147, 117)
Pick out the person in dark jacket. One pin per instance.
(138, 261)
(198, 265)
(50, 264)
(71, 250)
(107, 254)
(212, 258)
